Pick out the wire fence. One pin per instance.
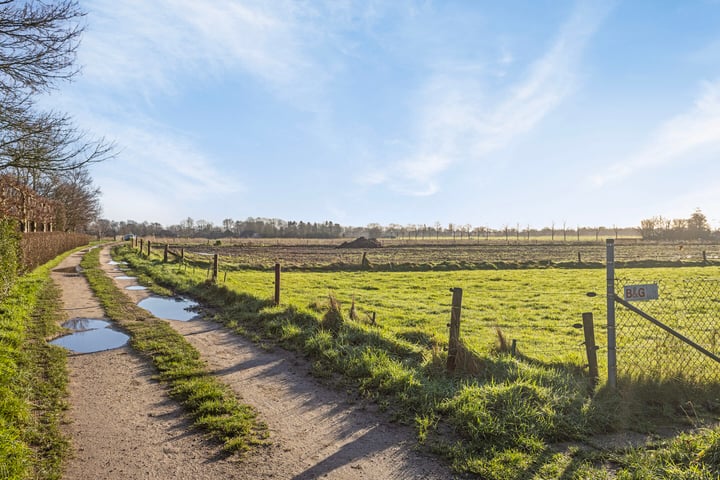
(690, 307)
(551, 339)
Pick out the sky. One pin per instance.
(482, 113)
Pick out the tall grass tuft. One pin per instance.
(333, 319)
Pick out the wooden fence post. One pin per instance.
(704, 256)
(277, 284)
(454, 328)
(215, 268)
(590, 347)
(141, 246)
(182, 255)
(148, 247)
(165, 253)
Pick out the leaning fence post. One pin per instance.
(590, 347)
(610, 295)
(277, 284)
(454, 325)
(215, 268)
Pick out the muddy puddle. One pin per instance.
(91, 335)
(125, 277)
(170, 308)
(135, 287)
(113, 262)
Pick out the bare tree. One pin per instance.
(78, 199)
(47, 143)
(38, 45)
(44, 150)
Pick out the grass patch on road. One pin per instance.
(210, 403)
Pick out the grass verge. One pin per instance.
(33, 379)
(212, 405)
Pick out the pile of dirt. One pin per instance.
(362, 242)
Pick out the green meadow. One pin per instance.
(531, 414)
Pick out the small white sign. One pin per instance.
(633, 293)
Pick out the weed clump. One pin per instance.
(333, 319)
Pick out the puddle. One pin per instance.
(170, 308)
(135, 287)
(74, 270)
(92, 335)
(125, 277)
(113, 262)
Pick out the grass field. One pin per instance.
(503, 417)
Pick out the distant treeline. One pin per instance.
(277, 228)
(694, 228)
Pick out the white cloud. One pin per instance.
(459, 121)
(138, 46)
(676, 140)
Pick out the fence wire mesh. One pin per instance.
(688, 306)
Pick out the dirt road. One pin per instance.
(123, 424)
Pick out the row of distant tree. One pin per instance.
(43, 151)
(694, 228)
(277, 228)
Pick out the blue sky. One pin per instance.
(410, 112)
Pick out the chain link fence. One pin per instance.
(691, 307)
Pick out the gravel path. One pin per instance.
(123, 425)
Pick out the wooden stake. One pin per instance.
(277, 284)
(454, 325)
(590, 347)
(215, 268)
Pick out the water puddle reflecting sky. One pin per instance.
(92, 335)
(170, 308)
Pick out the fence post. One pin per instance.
(590, 347)
(182, 255)
(148, 247)
(704, 256)
(277, 284)
(454, 328)
(215, 268)
(610, 295)
(165, 253)
(579, 257)
(141, 246)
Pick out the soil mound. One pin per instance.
(362, 242)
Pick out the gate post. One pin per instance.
(610, 294)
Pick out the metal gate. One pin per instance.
(662, 329)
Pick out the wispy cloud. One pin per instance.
(163, 163)
(138, 46)
(690, 132)
(459, 120)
